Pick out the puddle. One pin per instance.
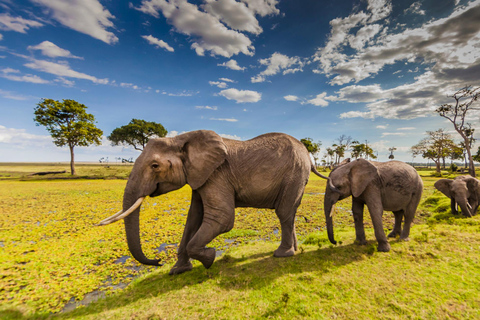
(315, 193)
(89, 298)
(165, 246)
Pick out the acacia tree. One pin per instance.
(361, 150)
(137, 133)
(69, 125)
(436, 146)
(457, 113)
(312, 147)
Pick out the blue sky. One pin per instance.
(374, 70)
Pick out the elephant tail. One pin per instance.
(314, 170)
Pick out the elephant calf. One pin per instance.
(463, 191)
(269, 171)
(392, 186)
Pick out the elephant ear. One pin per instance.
(204, 151)
(361, 174)
(473, 186)
(444, 185)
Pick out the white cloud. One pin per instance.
(226, 80)
(85, 16)
(224, 119)
(385, 134)
(382, 127)
(291, 98)
(158, 43)
(207, 107)
(415, 9)
(51, 50)
(231, 64)
(276, 63)
(21, 138)
(129, 85)
(61, 69)
(229, 136)
(209, 33)
(234, 14)
(1, 37)
(241, 96)
(13, 96)
(319, 100)
(18, 24)
(406, 128)
(65, 82)
(219, 84)
(14, 75)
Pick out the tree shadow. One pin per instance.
(233, 272)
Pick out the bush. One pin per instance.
(453, 167)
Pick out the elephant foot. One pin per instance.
(208, 257)
(361, 242)
(393, 234)
(180, 268)
(383, 247)
(281, 252)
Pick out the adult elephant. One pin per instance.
(463, 191)
(393, 186)
(269, 171)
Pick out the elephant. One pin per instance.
(269, 171)
(463, 191)
(393, 186)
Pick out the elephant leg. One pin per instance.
(286, 214)
(397, 227)
(194, 220)
(357, 210)
(376, 212)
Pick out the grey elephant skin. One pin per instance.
(392, 186)
(463, 191)
(269, 171)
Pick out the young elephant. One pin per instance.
(269, 171)
(464, 191)
(393, 186)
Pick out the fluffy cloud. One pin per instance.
(13, 96)
(18, 24)
(85, 16)
(241, 96)
(51, 50)
(234, 14)
(61, 69)
(291, 98)
(207, 107)
(21, 137)
(415, 8)
(158, 43)
(219, 84)
(278, 63)
(319, 100)
(15, 75)
(231, 64)
(209, 32)
(224, 119)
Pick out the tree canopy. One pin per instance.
(436, 146)
(312, 147)
(137, 133)
(457, 113)
(69, 125)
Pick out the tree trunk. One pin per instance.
(437, 165)
(72, 160)
(471, 165)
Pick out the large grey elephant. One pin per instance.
(393, 186)
(269, 171)
(463, 191)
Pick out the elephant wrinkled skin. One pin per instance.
(463, 191)
(269, 171)
(393, 186)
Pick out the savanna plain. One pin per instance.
(55, 264)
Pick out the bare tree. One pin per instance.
(457, 113)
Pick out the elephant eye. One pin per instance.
(155, 166)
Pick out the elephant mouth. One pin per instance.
(157, 191)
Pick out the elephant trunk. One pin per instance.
(132, 229)
(465, 206)
(327, 207)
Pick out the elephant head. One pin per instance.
(167, 164)
(349, 178)
(463, 191)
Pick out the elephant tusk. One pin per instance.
(332, 211)
(120, 215)
(456, 206)
(469, 206)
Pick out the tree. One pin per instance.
(391, 156)
(136, 133)
(457, 113)
(360, 150)
(69, 125)
(436, 147)
(312, 147)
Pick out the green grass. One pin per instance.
(51, 252)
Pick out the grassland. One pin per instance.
(51, 254)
